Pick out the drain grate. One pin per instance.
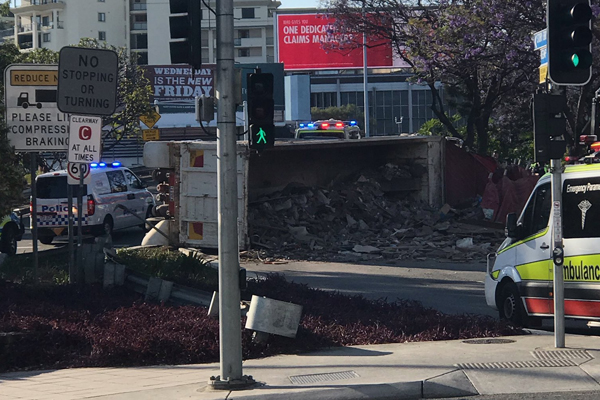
(326, 377)
(519, 364)
(581, 355)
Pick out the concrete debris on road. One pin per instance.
(371, 216)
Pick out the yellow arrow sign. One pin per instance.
(150, 134)
(150, 119)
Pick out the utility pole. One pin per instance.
(230, 334)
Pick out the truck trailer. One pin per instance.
(191, 168)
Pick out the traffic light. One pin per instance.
(569, 41)
(185, 32)
(261, 110)
(549, 126)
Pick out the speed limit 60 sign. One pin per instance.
(73, 171)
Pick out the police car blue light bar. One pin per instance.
(301, 125)
(311, 125)
(102, 165)
(94, 165)
(352, 123)
(116, 164)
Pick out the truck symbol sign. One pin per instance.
(41, 96)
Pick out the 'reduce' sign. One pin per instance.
(87, 81)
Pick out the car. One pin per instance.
(328, 129)
(11, 231)
(115, 199)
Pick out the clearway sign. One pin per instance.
(85, 139)
(34, 122)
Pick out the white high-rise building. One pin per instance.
(54, 24)
(253, 32)
(141, 26)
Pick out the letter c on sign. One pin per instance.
(85, 132)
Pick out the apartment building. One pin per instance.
(253, 32)
(54, 24)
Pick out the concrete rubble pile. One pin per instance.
(369, 216)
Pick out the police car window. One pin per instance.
(116, 181)
(581, 208)
(132, 180)
(537, 213)
(55, 187)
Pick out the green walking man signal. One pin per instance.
(261, 136)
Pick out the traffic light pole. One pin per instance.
(557, 255)
(230, 334)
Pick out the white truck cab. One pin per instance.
(520, 273)
(115, 199)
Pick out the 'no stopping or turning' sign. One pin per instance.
(87, 81)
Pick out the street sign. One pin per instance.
(150, 134)
(85, 139)
(543, 73)
(73, 173)
(150, 119)
(87, 81)
(540, 39)
(544, 55)
(35, 124)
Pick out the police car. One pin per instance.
(115, 199)
(11, 231)
(328, 129)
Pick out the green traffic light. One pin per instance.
(575, 60)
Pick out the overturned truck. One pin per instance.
(412, 169)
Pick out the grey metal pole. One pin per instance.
(80, 274)
(72, 271)
(230, 334)
(366, 83)
(33, 216)
(559, 284)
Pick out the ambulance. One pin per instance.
(328, 129)
(115, 199)
(519, 278)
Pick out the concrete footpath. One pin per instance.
(516, 364)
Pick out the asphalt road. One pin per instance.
(592, 395)
(453, 288)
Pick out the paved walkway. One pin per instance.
(518, 364)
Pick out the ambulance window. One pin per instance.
(581, 208)
(116, 181)
(537, 213)
(55, 187)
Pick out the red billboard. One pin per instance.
(309, 41)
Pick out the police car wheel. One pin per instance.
(9, 241)
(145, 226)
(46, 239)
(510, 305)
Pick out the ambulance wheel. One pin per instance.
(8, 244)
(45, 239)
(510, 305)
(107, 226)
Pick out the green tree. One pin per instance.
(40, 55)
(344, 113)
(481, 50)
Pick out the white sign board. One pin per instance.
(85, 139)
(35, 124)
(73, 173)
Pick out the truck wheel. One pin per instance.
(8, 244)
(39, 105)
(46, 239)
(510, 305)
(25, 105)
